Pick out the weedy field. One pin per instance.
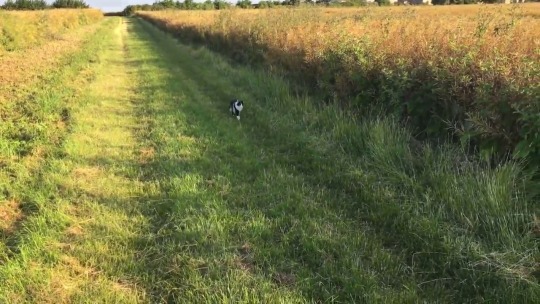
(124, 179)
(469, 71)
(22, 30)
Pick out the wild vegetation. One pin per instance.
(22, 30)
(470, 70)
(248, 4)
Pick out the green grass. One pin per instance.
(34, 266)
(158, 195)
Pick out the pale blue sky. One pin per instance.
(115, 6)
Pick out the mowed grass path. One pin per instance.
(164, 197)
(231, 220)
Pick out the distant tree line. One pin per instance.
(169, 4)
(42, 4)
(69, 4)
(221, 4)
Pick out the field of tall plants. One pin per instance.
(470, 72)
(22, 30)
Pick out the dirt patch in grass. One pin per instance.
(86, 173)
(536, 226)
(284, 279)
(76, 267)
(10, 215)
(124, 286)
(74, 231)
(245, 260)
(146, 155)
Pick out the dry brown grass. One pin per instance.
(37, 41)
(20, 30)
(10, 214)
(417, 33)
(146, 154)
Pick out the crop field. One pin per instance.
(384, 155)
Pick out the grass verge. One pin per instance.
(38, 260)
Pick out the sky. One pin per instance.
(115, 5)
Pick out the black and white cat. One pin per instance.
(236, 107)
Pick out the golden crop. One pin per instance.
(408, 33)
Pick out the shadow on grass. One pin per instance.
(257, 197)
(245, 200)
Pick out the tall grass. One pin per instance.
(22, 30)
(469, 71)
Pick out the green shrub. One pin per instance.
(25, 5)
(69, 4)
(244, 4)
(383, 2)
